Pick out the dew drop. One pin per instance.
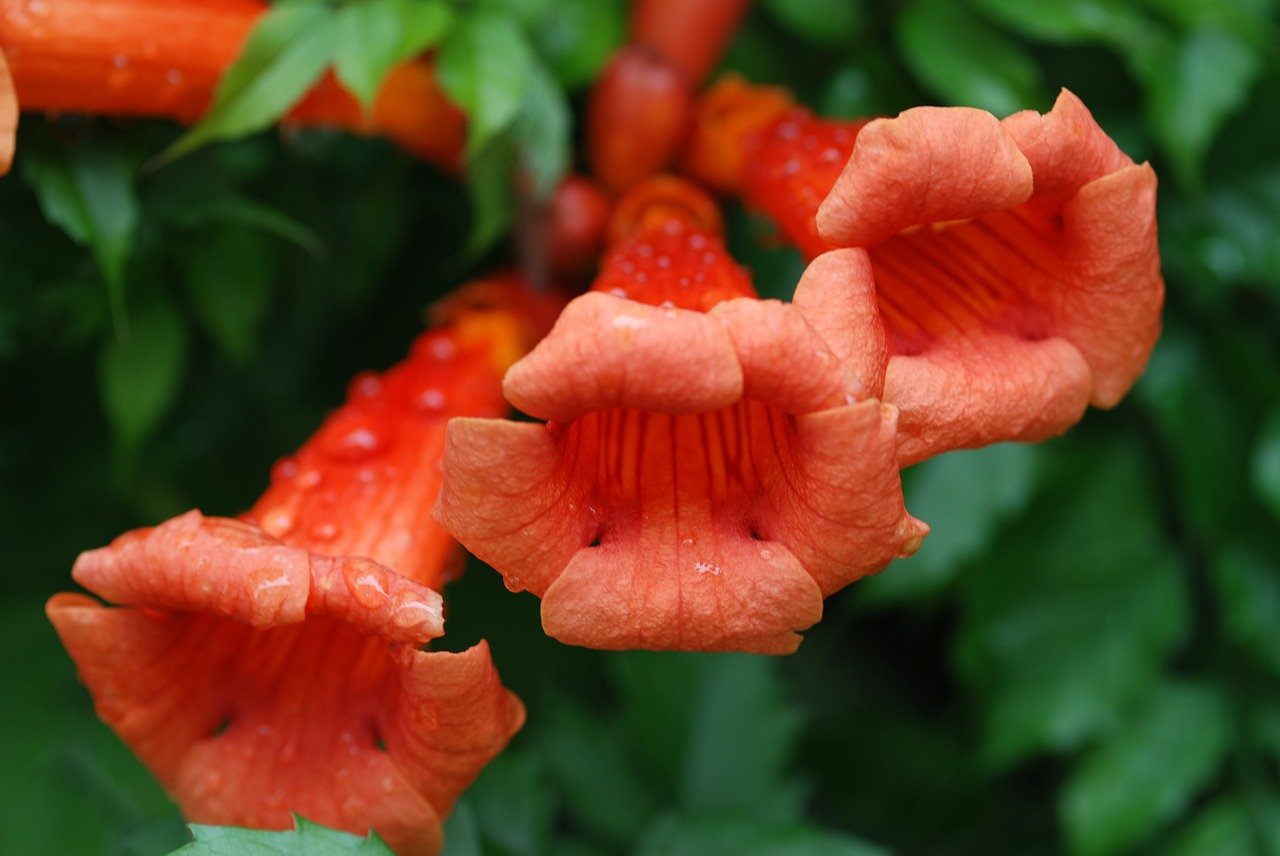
(278, 522)
(309, 479)
(664, 261)
(120, 61)
(513, 583)
(429, 400)
(324, 532)
(174, 77)
(443, 348)
(388, 784)
(791, 167)
(359, 441)
(365, 385)
(368, 584)
(645, 251)
(285, 468)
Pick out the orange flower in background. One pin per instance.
(164, 58)
(1015, 265)
(274, 664)
(8, 116)
(691, 35)
(710, 469)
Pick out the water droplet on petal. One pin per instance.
(429, 400)
(368, 583)
(365, 385)
(324, 532)
(358, 439)
(278, 522)
(285, 468)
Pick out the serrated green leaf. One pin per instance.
(542, 133)
(90, 193)
(1070, 618)
(966, 61)
(747, 836)
(229, 277)
(1249, 589)
(484, 65)
(964, 497)
(1193, 86)
(1128, 787)
(287, 52)
(140, 375)
(1266, 464)
(374, 35)
(825, 22)
(602, 790)
(306, 839)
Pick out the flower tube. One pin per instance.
(165, 58)
(276, 663)
(709, 469)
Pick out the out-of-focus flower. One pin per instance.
(728, 120)
(1015, 265)
(637, 117)
(275, 664)
(8, 116)
(691, 34)
(710, 468)
(165, 59)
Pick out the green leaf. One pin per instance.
(490, 182)
(461, 834)
(579, 38)
(742, 734)
(542, 133)
(1128, 787)
(1069, 21)
(964, 497)
(586, 756)
(485, 64)
(306, 839)
(229, 276)
(140, 375)
(1249, 588)
(1222, 829)
(1068, 620)
(964, 60)
(747, 836)
(513, 803)
(90, 192)
(693, 714)
(826, 22)
(1193, 86)
(1266, 464)
(287, 52)
(374, 35)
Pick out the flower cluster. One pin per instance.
(705, 467)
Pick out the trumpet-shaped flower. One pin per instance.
(275, 664)
(8, 116)
(709, 469)
(1015, 262)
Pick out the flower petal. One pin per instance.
(728, 595)
(930, 164)
(975, 393)
(837, 296)
(839, 508)
(509, 497)
(607, 352)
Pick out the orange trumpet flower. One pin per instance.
(8, 116)
(710, 469)
(164, 58)
(275, 664)
(1015, 265)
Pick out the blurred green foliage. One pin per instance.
(1083, 658)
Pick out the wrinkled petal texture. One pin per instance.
(8, 116)
(1016, 267)
(256, 679)
(703, 483)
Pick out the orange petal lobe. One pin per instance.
(837, 296)
(929, 165)
(626, 354)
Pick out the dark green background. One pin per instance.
(1083, 658)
